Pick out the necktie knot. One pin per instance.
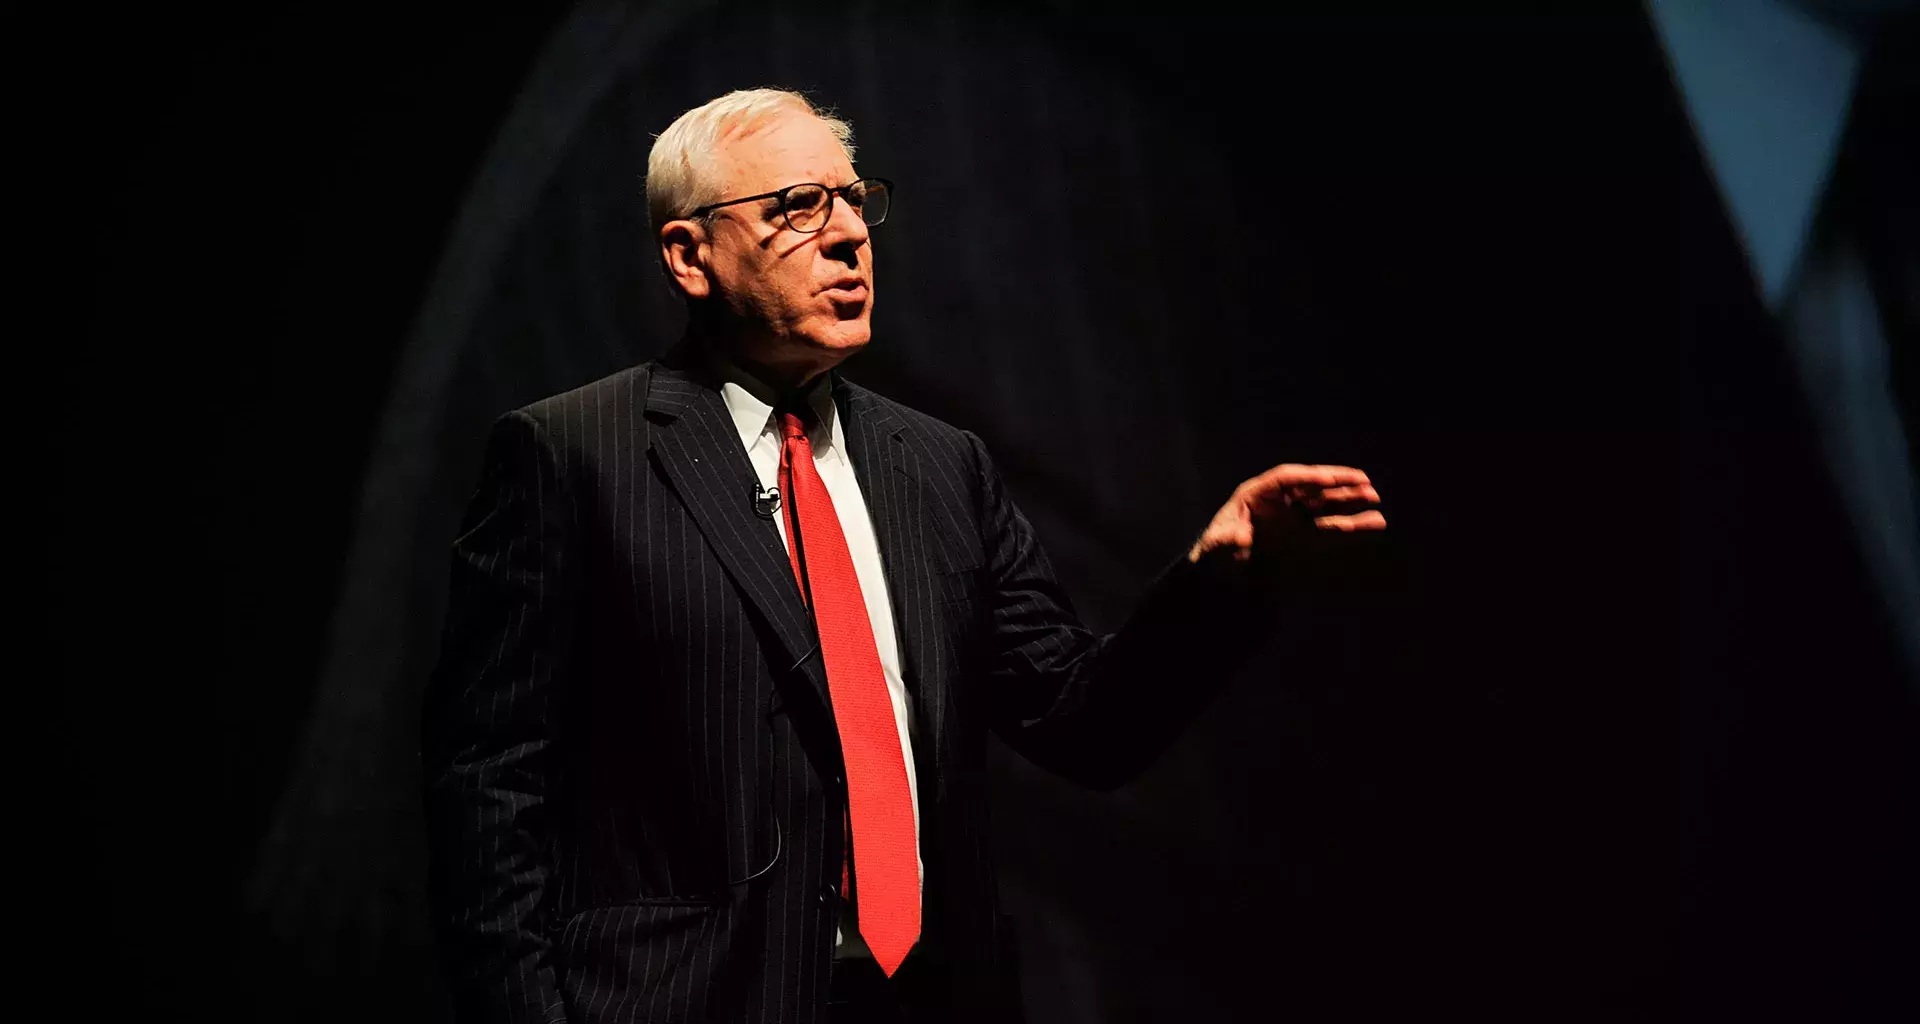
(796, 417)
(791, 427)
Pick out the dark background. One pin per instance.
(1614, 724)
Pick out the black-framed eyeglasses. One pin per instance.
(809, 205)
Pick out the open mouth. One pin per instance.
(847, 292)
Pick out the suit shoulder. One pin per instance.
(586, 403)
(925, 428)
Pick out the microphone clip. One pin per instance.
(766, 501)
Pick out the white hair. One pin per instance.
(680, 176)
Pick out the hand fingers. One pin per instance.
(1329, 495)
(1289, 474)
(1371, 519)
(1330, 500)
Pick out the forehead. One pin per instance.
(793, 148)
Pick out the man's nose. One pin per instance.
(845, 229)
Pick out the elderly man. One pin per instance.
(727, 633)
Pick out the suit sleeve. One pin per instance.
(487, 732)
(1098, 709)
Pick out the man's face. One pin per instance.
(800, 300)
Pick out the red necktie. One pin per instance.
(880, 803)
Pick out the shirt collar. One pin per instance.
(750, 403)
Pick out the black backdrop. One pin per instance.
(1614, 724)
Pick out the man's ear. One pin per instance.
(683, 249)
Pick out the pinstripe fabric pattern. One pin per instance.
(634, 787)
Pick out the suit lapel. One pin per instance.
(885, 464)
(699, 451)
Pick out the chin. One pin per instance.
(845, 338)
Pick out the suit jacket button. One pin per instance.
(829, 893)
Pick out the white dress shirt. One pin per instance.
(750, 404)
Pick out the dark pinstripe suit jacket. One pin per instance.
(634, 784)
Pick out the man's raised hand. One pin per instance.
(1287, 503)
